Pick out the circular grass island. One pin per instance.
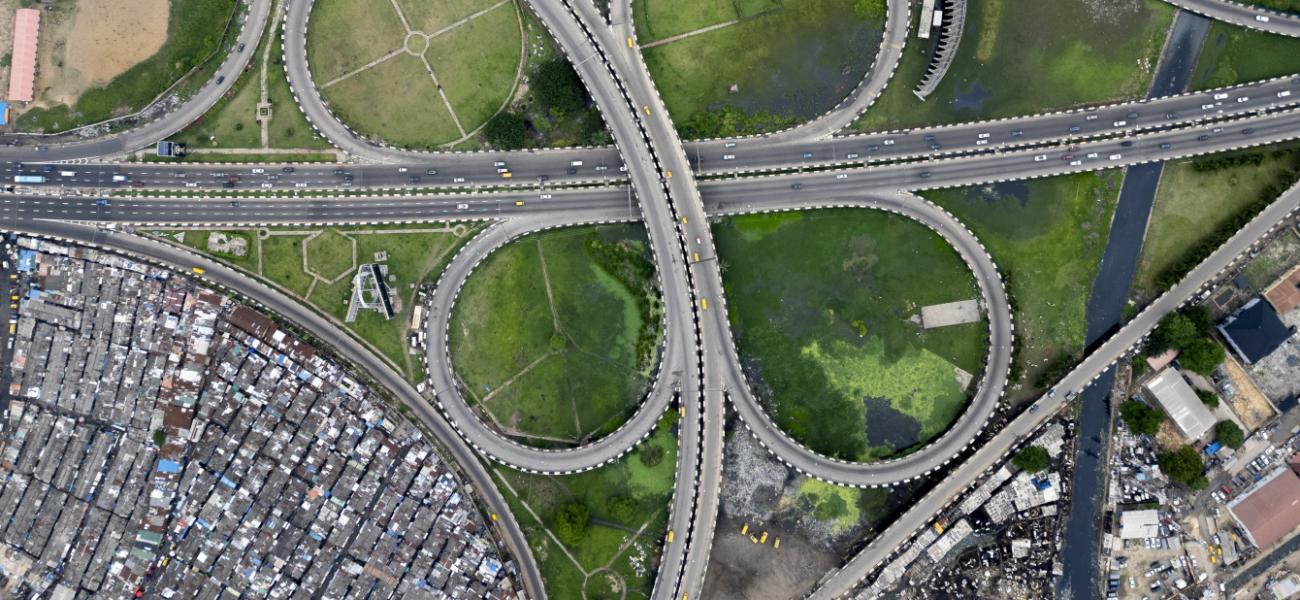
(555, 335)
(417, 74)
(860, 331)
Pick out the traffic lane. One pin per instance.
(1252, 17)
(973, 469)
(33, 149)
(275, 302)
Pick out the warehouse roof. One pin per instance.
(1181, 402)
(22, 69)
(1272, 510)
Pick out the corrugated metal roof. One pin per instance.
(1181, 402)
(1272, 510)
(22, 69)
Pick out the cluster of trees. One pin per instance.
(728, 121)
(1216, 162)
(1184, 466)
(571, 523)
(1188, 331)
(506, 131)
(1193, 256)
(1140, 418)
(558, 92)
(1056, 368)
(1031, 458)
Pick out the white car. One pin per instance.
(1090, 118)
(1075, 163)
(458, 180)
(1221, 96)
(983, 136)
(1116, 156)
(462, 206)
(268, 185)
(546, 196)
(1209, 106)
(888, 142)
(258, 171)
(1040, 158)
(401, 169)
(728, 157)
(191, 184)
(981, 142)
(729, 145)
(842, 176)
(1284, 93)
(300, 184)
(1120, 123)
(1091, 155)
(1243, 99)
(851, 155)
(1261, 18)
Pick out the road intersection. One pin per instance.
(699, 367)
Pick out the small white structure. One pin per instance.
(1139, 524)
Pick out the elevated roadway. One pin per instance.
(1245, 15)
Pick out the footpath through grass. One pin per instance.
(194, 31)
(555, 334)
(1198, 196)
(315, 265)
(472, 47)
(1234, 55)
(1047, 237)
(1022, 57)
(762, 73)
(614, 521)
(825, 306)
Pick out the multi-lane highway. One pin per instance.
(1245, 15)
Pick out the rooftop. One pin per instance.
(1271, 510)
(22, 71)
(1181, 402)
(1254, 331)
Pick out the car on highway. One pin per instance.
(499, 164)
(339, 171)
(807, 155)
(729, 145)
(103, 202)
(1165, 146)
(728, 157)
(458, 180)
(851, 155)
(258, 171)
(1284, 93)
(1075, 129)
(1126, 143)
(519, 202)
(413, 179)
(1075, 163)
(1261, 18)
(1243, 99)
(287, 169)
(1040, 158)
(1017, 133)
(1221, 96)
(1091, 155)
(1116, 156)
(1091, 117)
(546, 196)
(1120, 123)
(462, 206)
(797, 186)
(1247, 131)
(873, 148)
(925, 174)
(841, 175)
(401, 169)
(430, 171)
(935, 146)
(234, 204)
(602, 168)
(983, 136)
(1203, 137)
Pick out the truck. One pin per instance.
(29, 179)
(171, 149)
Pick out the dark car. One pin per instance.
(1248, 131)
(415, 179)
(1017, 133)
(221, 79)
(103, 202)
(1126, 143)
(873, 148)
(1132, 115)
(925, 174)
(1165, 146)
(234, 203)
(572, 171)
(338, 171)
(797, 186)
(1203, 137)
(228, 184)
(287, 169)
(1075, 129)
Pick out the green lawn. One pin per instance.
(343, 35)
(821, 304)
(1190, 204)
(289, 128)
(563, 364)
(477, 64)
(329, 255)
(781, 75)
(282, 263)
(198, 240)
(644, 491)
(431, 16)
(1236, 55)
(194, 31)
(1027, 56)
(395, 101)
(1047, 237)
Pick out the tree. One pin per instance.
(571, 523)
(1175, 330)
(1030, 458)
(651, 455)
(1229, 434)
(1140, 418)
(1184, 466)
(622, 508)
(1210, 399)
(159, 437)
(1200, 316)
(1202, 355)
(506, 131)
(557, 87)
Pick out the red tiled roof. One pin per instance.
(1271, 511)
(1285, 296)
(22, 69)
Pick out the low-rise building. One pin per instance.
(1181, 403)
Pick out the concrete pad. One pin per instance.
(952, 313)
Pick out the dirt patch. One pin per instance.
(739, 568)
(94, 42)
(1250, 404)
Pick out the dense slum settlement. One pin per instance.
(161, 439)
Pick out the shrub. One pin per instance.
(1202, 355)
(557, 87)
(1210, 399)
(571, 523)
(651, 455)
(506, 131)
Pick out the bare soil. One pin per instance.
(739, 568)
(93, 43)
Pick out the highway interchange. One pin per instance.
(699, 368)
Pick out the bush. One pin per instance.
(1175, 330)
(159, 437)
(1184, 466)
(571, 523)
(506, 131)
(1140, 418)
(1210, 399)
(557, 87)
(622, 508)
(1030, 458)
(1202, 356)
(1228, 434)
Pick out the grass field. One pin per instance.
(198, 240)
(1236, 55)
(477, 64)
(416, 254)
(822, 302)
(473, 51)
(194, 31)
(780, 75)
(627, 504)
(547, 338)
(1026, 56)
(1047, 237)
(1190, 204)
